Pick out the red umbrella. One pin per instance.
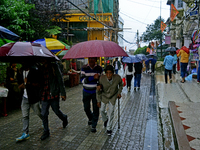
(95, 48)
(25, 51)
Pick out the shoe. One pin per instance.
(129, 89)
(138, 88)
(90, 122)
(45, 135)
(134, 88)
(105, 123)
(170, 80)
(197, 82)
(23, 137)
(109, 132)
(93, 130)
(65, 122)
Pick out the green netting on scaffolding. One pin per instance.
(79, 35)
(99, 6)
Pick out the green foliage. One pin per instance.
(53, 30)
(15, 16)
(68, 42)
(141, 50)
(153, 31)
(3, 67)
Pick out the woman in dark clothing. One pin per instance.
(137, 74)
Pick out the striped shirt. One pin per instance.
(87, 77)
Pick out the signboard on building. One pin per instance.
(193, 13)
(167, 39)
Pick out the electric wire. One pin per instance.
(90, 15)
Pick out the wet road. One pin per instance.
(136, 108)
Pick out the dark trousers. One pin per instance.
(183, 69)
(92, 116)
(128, 80)
(116, 71)
(137, 80)
(153, 68)
(174, 69)
(170, 74)
(45, 112)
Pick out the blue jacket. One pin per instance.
(168, 62)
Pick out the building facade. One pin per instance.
(185, 23)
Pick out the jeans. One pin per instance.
(25, 106)
(170, 74)
(137, 80)
(116, 71)
(128, 80)
(183, 69)
(107, 116)
(92, 116)
(174, 69)
(54, 103)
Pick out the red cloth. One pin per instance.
(183, 48)
(73, 65)
(178, 65)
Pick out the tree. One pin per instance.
(15, 16)
(153, 31)
(141, 50)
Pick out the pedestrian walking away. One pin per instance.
(30, 82)
(116, 65)
(90, 74)
(109, 89)
(51, 88)
(184, 53)
(129, 72)
(175, 62)
(138, 71)
(168, 63)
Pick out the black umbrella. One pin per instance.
(7, 34)
(152, 56)
(170, 49)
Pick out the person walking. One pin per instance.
(138, 71)
(90, 74)
(109, 89)
(52, 87)
(184, 53)
(116, 65)
(30, 82)
(168, 63)
(129, 72)
(174, 62)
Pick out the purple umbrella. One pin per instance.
(25, 52)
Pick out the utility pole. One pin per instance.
(138, 44)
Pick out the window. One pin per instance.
(180, 3)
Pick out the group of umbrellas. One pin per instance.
(139, 58)
(44, 48)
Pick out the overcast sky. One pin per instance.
(137, 14)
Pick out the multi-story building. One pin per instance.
(185, 23)
(82, 26)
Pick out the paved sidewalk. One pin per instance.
(187, 100)
(77, 135)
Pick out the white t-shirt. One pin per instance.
(116, 66)
(25, 74)
(129, 73)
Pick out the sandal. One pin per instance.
(182, 81)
